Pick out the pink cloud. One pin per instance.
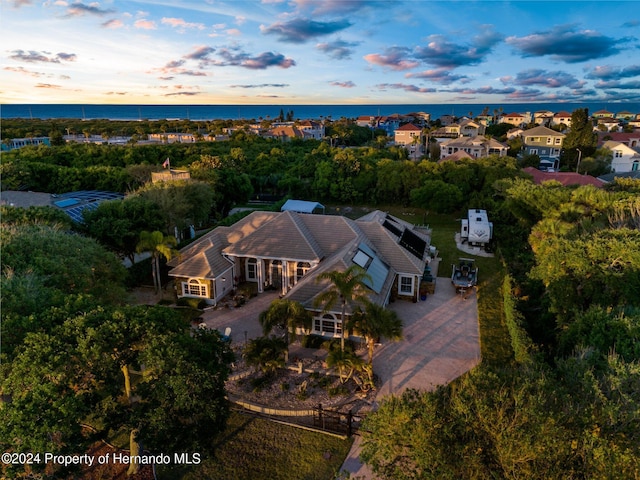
(145, 24)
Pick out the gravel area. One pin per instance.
(289, 389)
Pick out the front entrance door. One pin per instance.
(276, 274)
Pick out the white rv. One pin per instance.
(476, 228)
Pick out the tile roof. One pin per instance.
(284, 237)
(328, 240)
(565, 178)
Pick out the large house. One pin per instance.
(410, 137)
(286, 251)
(545, 143)
(476, 147)
(625, 158)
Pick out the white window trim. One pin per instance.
(195, 283)
(328, 317)
(400, 284)
(254, 277)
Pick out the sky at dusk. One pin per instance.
(318, 52)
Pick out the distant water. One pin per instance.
(246, 112)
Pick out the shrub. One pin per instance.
(312, 341)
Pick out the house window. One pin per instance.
(301, 269)
(252, 270)
(635, 166)
(405, 285)
(558, 140)
(533, 151)
(194, 288)
(549, 139)
(327, 325)
(618, 153)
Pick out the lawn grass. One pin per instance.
(253, 448)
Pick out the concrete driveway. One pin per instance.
(441, 342)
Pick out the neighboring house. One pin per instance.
(471, 128)
(174, 137)
(455, 157)
(562, 118)
(565, 178)
(286, 251)
(629, 139)
(284, 133)
(609, 123)
(170, 175)
(514, 132)
(625, 115)
(516, 119)
(610, 177)
(475, 147)
(311, 130)
(447, 120)
(544, 142)
(419, 117)
(14, 143)
(543, 117)
(410, 137)
(625, 158)
(602, 114)
(448, 131)
(387, 123)
(484, 119)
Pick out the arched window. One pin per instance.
(195, 288)
(327, 325)
(301, 269)
(635, 166)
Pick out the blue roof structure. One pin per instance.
(301, 206)
(74, 203)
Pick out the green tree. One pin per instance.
(287, 316)
(266, 353)
(74, 375)
(437, 195)
(581, 136)
(158, 245)
(182, 203)
(375, 322)
(345, 288)
(346, 362)
(117, 224)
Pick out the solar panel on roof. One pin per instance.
(375, 268)
(392, 228)
(413, 243)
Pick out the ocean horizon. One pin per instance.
(303, 112)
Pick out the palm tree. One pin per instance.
(345, 361)
(266, 353)
(159, 245)
(347, 286)
(287, 315)
(374, 322)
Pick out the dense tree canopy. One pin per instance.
(79, 373)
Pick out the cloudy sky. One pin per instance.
(317, 52)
